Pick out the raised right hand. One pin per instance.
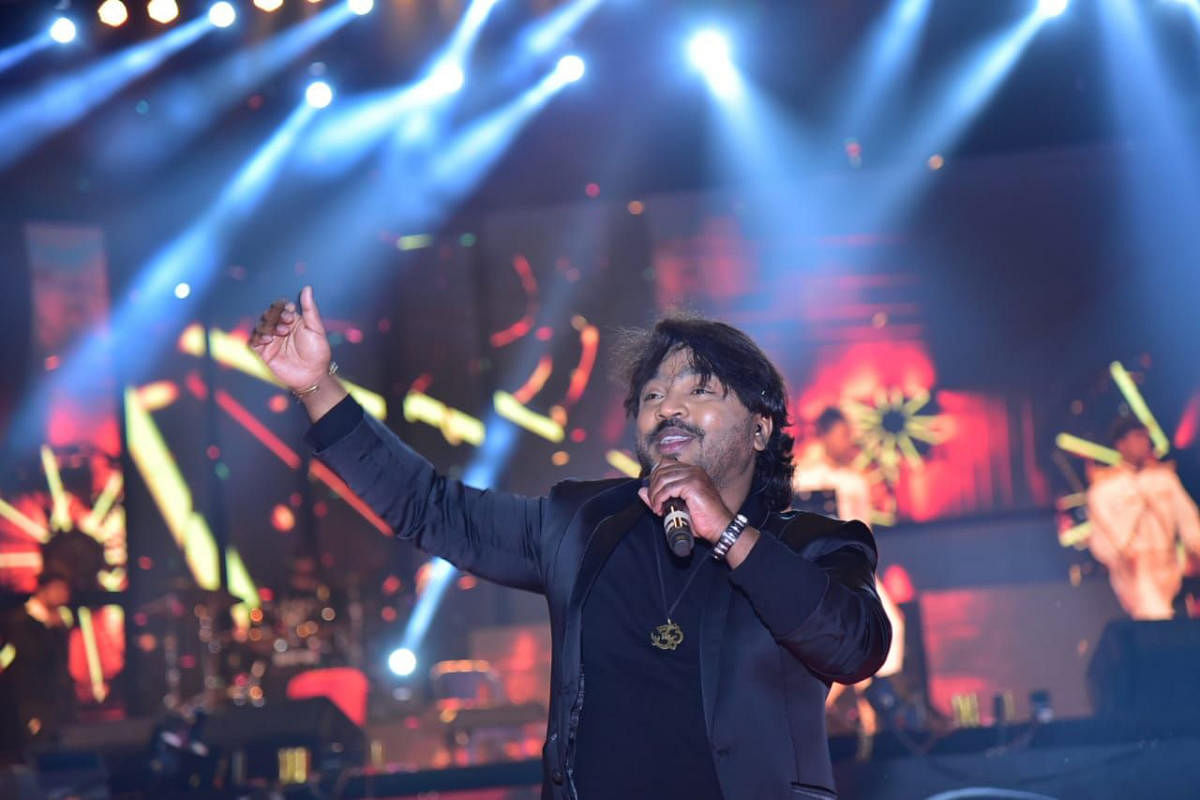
(293, 346)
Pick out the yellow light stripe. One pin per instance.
(1137, 404)
(174, 500)
(35, 531)
(624, 463)
(232, 352)
(372, 403)
(511, 409)
(31, 560)
(104, 503)
(7, 654)
(915, 403)
(1086, 449)
(112, 580)
(926, 429)
(159, 394)
(909, 450)
(862, 411)
(1071, 501)
(455, 425)
(95, 674)
(60, 517)
(882, 518)
(240, 585)
(1076, 536)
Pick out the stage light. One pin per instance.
(570, 68)
(222, 14)
(710, 54)
(113, 13)
(162, 11)
(182, 290)
(360, 7)
(446, 79)
(63, 31)
(268, 5)
(1052, 8)
(708, 49)
(319, 94)
(402, 662)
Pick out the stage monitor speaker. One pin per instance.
(264, 741)
(1147, 671)
(313, 719)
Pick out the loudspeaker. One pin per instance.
(1147, 671)
(285, 723)
(296, 736)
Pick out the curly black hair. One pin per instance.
(724, 352)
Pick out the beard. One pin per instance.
(721, 456)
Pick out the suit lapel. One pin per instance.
(620, 509)
(600, 545)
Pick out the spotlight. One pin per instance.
(182, 290)
(710, 55)
(570, 68)
(268, 5)
(113, 13)
(222, 14)
(402, 662)
(360, 7)
(319, 94)
(1052, 8)
(63, 31)
(446, 79)
(709, 50)
(162, 11)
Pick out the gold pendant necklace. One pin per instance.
(670, 635)
(667, 637)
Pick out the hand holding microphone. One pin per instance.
(689, 504)
(677, 523)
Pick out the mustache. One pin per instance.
(675, 425)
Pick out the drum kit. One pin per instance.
(213, 651)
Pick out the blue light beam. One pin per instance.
(185, 107)
(954, 103)
(29, 119)
(884, 60)
(14, 54)
(460, 166)
(340, 140)
(192, 258)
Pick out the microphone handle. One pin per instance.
(677, 524)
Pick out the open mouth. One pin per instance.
(673, 440)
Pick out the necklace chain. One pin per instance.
(670, 635)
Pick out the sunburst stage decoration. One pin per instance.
(894, 431)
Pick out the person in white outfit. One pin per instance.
(1140, 513)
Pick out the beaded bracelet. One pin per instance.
(729, 536)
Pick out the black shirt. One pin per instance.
(642, 732)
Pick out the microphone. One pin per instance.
(677, 524)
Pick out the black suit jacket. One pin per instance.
(799, 612)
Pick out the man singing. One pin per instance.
(673, 677)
